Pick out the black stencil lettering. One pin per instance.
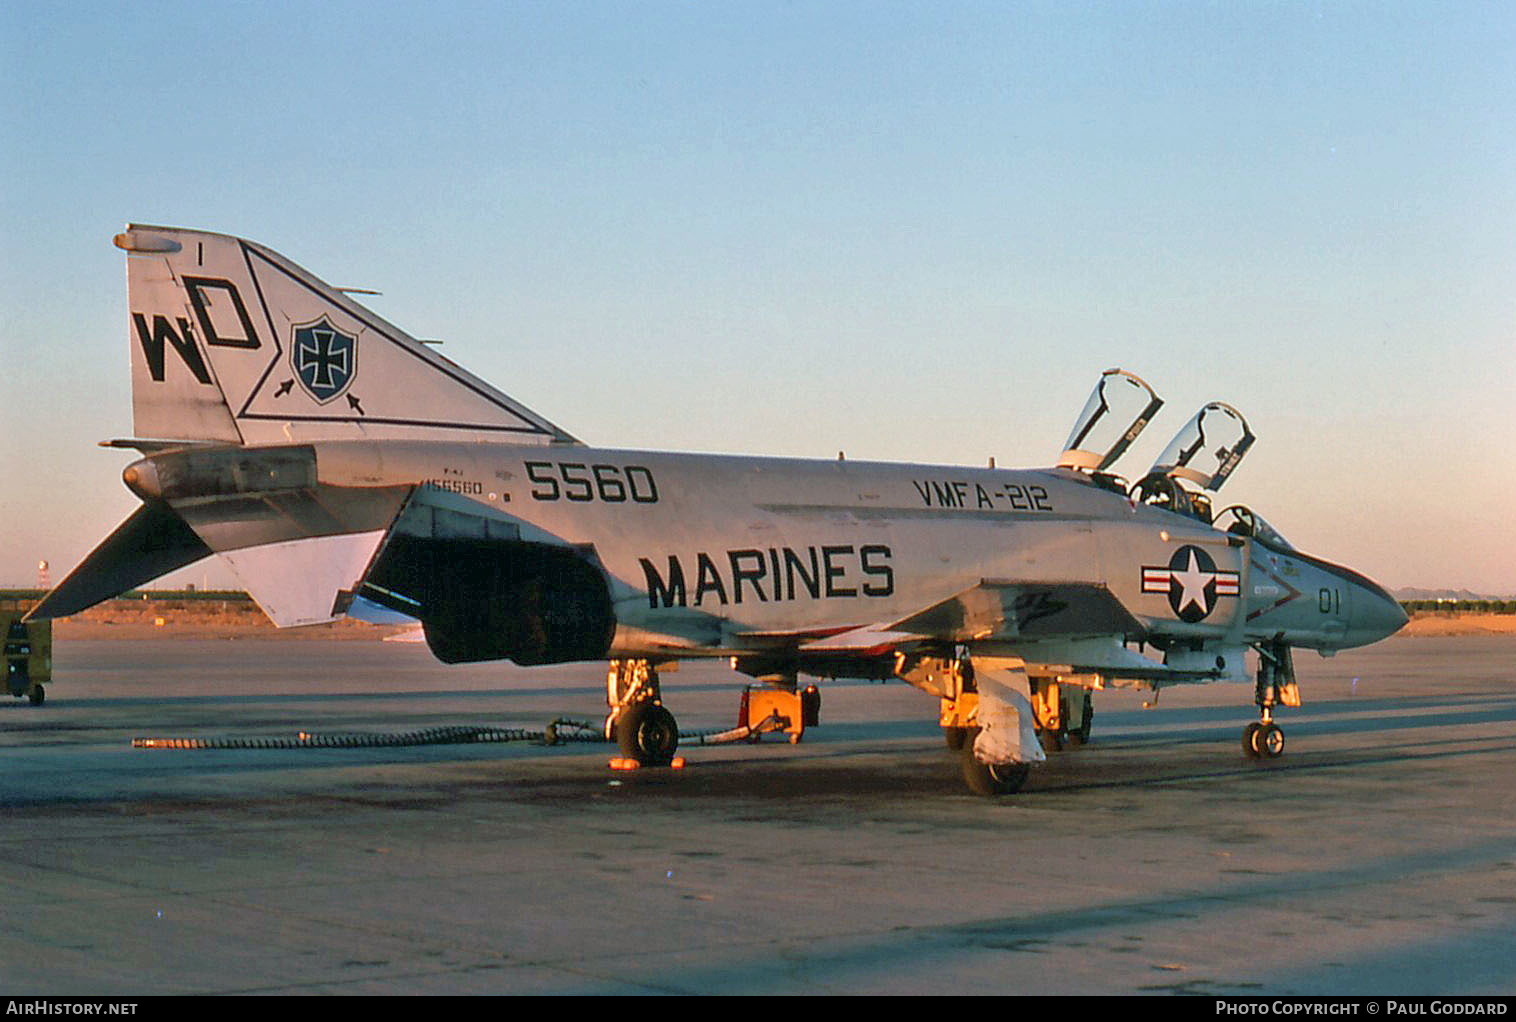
(752, 575)
(660, 594)
(183, 342)
(708, 580)
(835, 572)
(881, 571)
(810, 579)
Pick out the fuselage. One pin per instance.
(707, 549)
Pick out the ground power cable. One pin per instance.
(559, 732)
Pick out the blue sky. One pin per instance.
(911, 232)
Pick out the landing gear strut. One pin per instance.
(638, 721)
(1264, 739)
(967, 710)
(1063, 710)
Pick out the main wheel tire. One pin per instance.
(1250, 747)
(985, 779)
(36, 695)
(1051, 741)
(954, 737)
(1271, 741)
(648, 733)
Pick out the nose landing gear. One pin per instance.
(1264, 739)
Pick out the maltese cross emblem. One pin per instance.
(324, 359)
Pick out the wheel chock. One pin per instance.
(628, 763)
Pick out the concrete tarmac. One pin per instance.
(1378, 856)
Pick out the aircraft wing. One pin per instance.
(870, 640)
(1006, 610)
(995, 610)
(1073, 627)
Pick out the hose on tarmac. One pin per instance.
(558, 732)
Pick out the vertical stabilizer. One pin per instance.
(233, 343)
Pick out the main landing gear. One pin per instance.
(1264, 739)
(648, 736)
(1064, 713)
(989, 778)
(1057, 708)
(638, 722)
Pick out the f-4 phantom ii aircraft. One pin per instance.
(337, 463)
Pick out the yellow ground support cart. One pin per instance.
(793, 712)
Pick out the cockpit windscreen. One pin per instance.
(1243, 521)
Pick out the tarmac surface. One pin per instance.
(1378, 856)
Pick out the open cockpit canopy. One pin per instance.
(1206, 451)
(1119, 409)
(1201, 457)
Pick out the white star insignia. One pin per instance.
(1193, 581)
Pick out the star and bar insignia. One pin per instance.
(1192, 581)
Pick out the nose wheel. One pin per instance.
(1263, 740)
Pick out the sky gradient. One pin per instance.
(910, 232)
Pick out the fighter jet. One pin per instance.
(340, 466)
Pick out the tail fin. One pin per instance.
(233, 343)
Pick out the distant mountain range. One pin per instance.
(1412, 593)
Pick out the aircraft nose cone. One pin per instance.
(1376, 614)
